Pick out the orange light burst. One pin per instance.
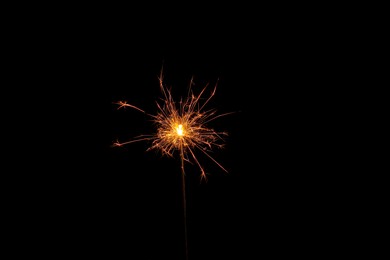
(181, 127)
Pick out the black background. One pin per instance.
(280, 196)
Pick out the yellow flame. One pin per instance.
(179, 130)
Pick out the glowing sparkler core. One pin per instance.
(180, 130)
(182, 127)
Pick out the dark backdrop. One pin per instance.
(279, 197)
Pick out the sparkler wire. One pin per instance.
(181, 129)
(184, 206)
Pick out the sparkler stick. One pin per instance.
(182, 128)
(183, 186)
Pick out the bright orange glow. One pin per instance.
(182, 127)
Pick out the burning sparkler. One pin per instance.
(182, 128)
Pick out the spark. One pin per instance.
(182, 127)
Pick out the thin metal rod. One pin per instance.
(184, 206)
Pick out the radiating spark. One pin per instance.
(181, 127)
